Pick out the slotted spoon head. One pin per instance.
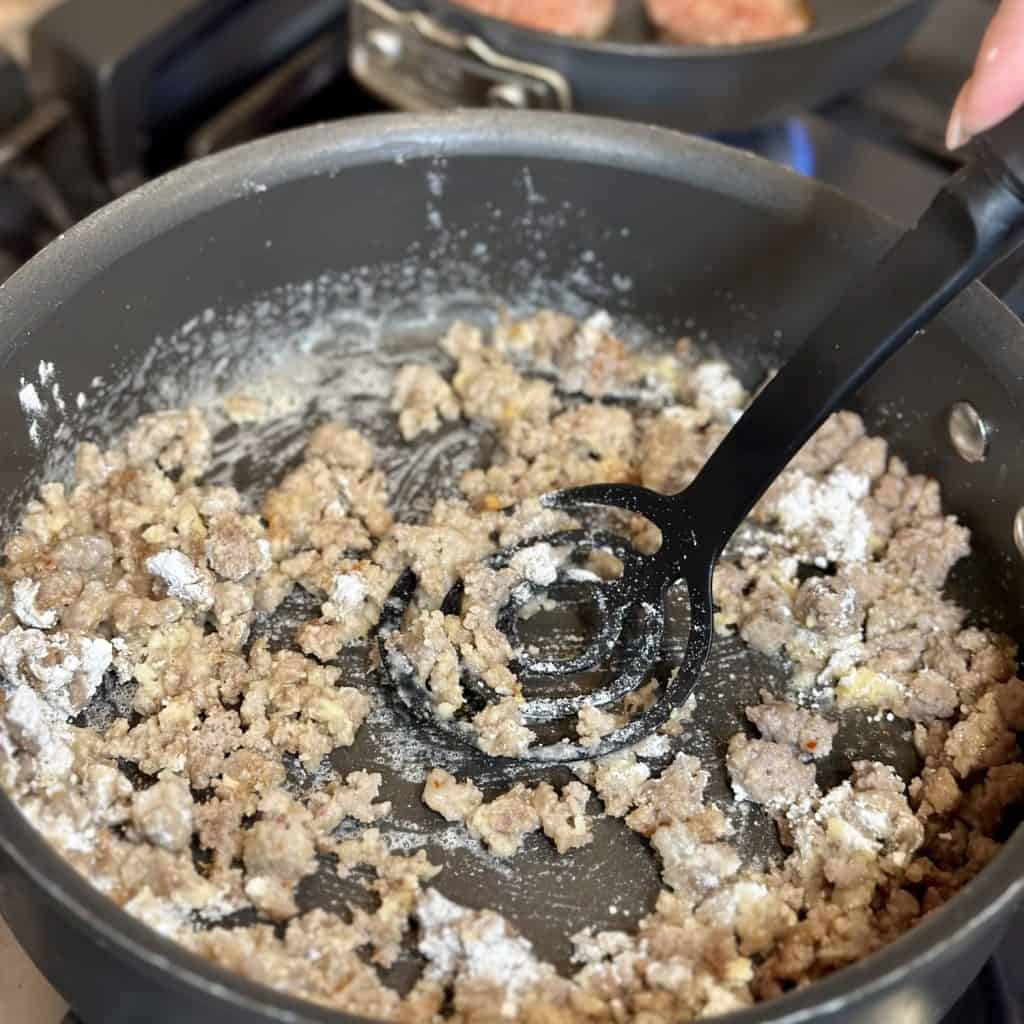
(687, 555)
(630, 627)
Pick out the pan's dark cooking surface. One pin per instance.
(192, 77)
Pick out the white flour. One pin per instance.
(480, 944)
(36, 727)
(181, 577)
(29, 398)
(50, 663)
(655, 746)
(538, 563)
(164, 916)
(63, 828)
(25, 592)
(348, 592)
(716, 388)
(830, 512)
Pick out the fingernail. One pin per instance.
(955, 131)
(956, 134)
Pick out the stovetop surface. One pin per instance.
(883, 147)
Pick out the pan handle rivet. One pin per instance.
(968, 432)
(1018, 530)
(386, 46)
(508, 95)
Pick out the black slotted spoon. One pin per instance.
(974, 220)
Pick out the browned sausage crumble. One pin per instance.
(136, 577)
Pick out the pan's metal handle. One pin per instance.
(409, 60)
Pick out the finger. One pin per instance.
(996, 86)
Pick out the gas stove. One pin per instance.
(105, 94)
(116, 92)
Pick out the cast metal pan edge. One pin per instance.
(110, 234)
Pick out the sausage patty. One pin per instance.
(725, 22)
(586, 19)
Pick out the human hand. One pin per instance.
(996, 86)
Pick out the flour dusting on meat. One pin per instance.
(186, 667)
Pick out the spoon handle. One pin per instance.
(969, 225)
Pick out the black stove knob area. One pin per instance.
(9, 263)
(15, 101)
(142, 75)
(22, 228)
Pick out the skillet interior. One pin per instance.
(702, 89)
(698, 239)
(632, 34)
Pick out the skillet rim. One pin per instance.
(93, 245)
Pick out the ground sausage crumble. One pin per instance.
(210, 793)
